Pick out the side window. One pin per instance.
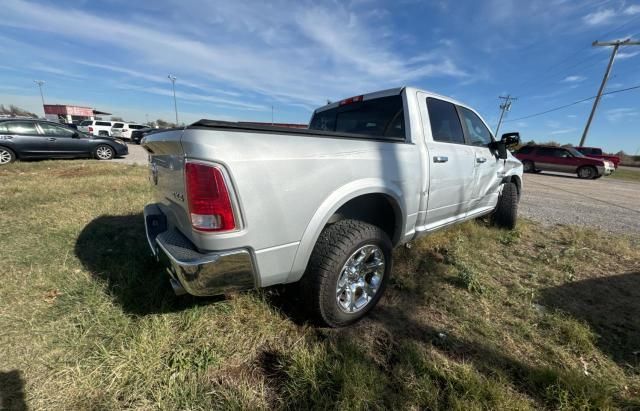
(103, 123)
(558, 152)
(53, 130)
(479, 135)
(545, 151)
(118, 125)
(22, 127)
(445, 123)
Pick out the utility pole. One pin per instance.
(40, 83)
(616, 45)
(272, 114)
(175, 104)
(506, 106)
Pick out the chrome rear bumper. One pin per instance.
(200, 274)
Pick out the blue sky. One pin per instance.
(234, 60)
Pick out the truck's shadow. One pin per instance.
(611, 307)
(12, 391)
(115, 250)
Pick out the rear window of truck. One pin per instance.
(380, 117)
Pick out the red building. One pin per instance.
(70, 114)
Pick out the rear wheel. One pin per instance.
(587, 172)
(104, 152)
(103, 133)
(6, 156)
(347, 273)
(505, 214)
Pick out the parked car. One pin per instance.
(562, 159)
(241, 205)
(123, 130)
(138, 135)
(96, 127)
(597, 153)
(24, 139)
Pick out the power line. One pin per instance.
(571, 104)
(616, 45)
(568, 63)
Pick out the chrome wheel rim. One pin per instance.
(5, 157)
(360, 278)
(585, 172)
(104, 153)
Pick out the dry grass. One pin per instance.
(626, 174)
(474, 318)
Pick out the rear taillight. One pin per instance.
(90, 129)
(209, 202)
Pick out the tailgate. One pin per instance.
(166, 174)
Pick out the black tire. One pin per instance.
(505, 214)
(7, 156)
(338, 244)
(528, 166)
(587, 172)
(103, 133)
(104, 152)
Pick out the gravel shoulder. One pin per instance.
(607, 204)
(137, 155)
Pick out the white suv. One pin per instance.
(96, 127)
(123, 130)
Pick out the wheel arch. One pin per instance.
(13, 150)
(517, 180)
(346, 199)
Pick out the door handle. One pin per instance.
(51, 139)
(481, 159)
(440, 159)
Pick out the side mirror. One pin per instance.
(507, 140)
(510, 139)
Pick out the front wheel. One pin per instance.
(6, 156)
(347, 273)
(104, 152)
(506, 211)
(587, 172)
(528, 166)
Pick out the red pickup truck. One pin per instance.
(597, 153)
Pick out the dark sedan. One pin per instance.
(30, 139)
(138, 135)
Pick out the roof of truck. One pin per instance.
(385, 93)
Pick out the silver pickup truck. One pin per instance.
(240, 205)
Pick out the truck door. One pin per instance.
(486, 181)
(451, 163)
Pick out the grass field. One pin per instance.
(626, 174)
(474, 318)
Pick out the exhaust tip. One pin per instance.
(177, 287)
